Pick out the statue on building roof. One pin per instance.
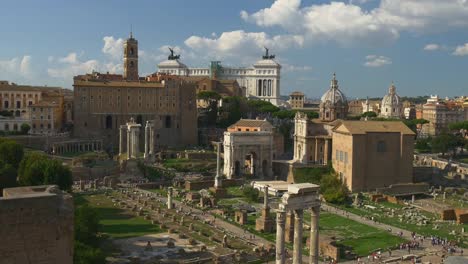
(172, 56)
(267, 56)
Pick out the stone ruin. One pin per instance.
(37, 223)
(296, 199)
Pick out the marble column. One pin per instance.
(265, 197)
(121, 138)
(147, 143)
(137, 142)
(169, 198)
(297, 248)
(314, 235)
(151, 139)
(218, 181)
(280, 253)
(129, 141)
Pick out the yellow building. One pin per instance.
(372, 154)
(41, 107)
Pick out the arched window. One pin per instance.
(131, 51)
(108, 122)
(7, 127)
(131, 64)
(6, 104)
(17, 113)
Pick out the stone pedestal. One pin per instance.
(264, 223)
(218, 192)
(289, 228)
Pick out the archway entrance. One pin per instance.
(237, 168)
(250, 164)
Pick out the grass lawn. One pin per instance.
(361, 238)
(116, 222)
(443, 231)
(186, 165)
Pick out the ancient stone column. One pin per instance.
(129, 141)
(314, 235)
(121, 140)
(297, 249)
(169, 198)
(147, 143)
(218, 181)
(265, 197)
(289, 229)
(280, 253)
(151, 139)
(137, 141)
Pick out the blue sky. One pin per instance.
(421, 45)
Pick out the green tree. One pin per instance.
(208, 95)
(458, 125)
(369, 114)
(25, 128)
(85, 254)
(11, 152)
(251, 193)
(7, 176)
(38, 169)
(87, 228)
(423, 144)
(446, 142)
(333, 189)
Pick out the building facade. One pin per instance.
(104, 102)
(297, 100)
(40, 107)
(312, 140)
(248, 149)
(372, 154)
(391, 104)
(334, 104)
(261, 81)
(440, 115)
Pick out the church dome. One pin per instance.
(392, 98)
(334, 95)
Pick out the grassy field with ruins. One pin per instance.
(116, 222)
(434, 226)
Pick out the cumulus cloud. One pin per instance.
(348, 22)
(461, 50)
(432, 47)
(233, 43)
(377, 61)
(113, 47)
(71, 65)
(16, 66)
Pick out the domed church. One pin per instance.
(333, 104)
(391, 104)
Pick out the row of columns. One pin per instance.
(133, 139)
(265, 87)
(73, 147)
(297, 246)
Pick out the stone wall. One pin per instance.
(462, 216)
(448, 214)
(36, 225)
(205, 184)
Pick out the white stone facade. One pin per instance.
(257, 147)
(262, 80)
(391, 104)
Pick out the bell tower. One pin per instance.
(131, 59)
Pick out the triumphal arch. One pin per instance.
(248, 149)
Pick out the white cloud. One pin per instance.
(25, 65)
(71, 65)
(113, 47)
(348, 22)
(377, 61)
(234, 43)
(461, 50)
(432, 47)
(295, 68)
(18, 66)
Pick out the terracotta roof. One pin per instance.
(251, 123)
(363, 127)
